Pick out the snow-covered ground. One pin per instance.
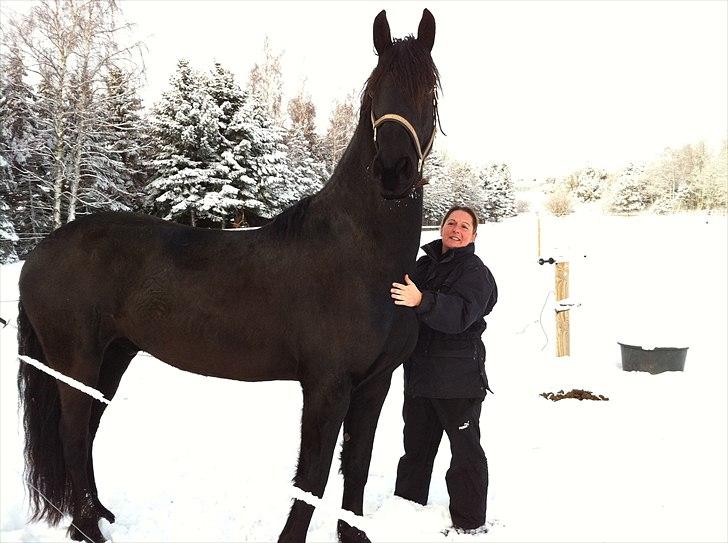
(183, 458)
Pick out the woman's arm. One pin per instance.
(468, 300)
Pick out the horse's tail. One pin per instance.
(45, 471)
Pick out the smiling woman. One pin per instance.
(445, 380)
(459, 228)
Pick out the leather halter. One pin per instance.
(376, 123)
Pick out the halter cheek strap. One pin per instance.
(376, 123)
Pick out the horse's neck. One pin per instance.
(351, 174)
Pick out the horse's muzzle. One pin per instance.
(397, 178)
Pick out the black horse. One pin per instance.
(303, 298)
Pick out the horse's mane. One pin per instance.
(410, 65)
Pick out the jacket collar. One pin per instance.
(434, 251)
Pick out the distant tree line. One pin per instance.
(75, 139)
(689, 178)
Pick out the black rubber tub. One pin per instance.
(654, 360)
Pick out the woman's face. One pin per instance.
(457, 230)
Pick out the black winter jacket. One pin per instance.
(458, 291)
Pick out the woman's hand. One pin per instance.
(408, 294)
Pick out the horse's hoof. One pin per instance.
(351, 534)
(105, 513)
(86, 531)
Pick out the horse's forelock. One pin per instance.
(410, 65)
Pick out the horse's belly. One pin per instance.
(217, 353)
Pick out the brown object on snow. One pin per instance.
(575, 393)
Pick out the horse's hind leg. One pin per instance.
(76, 408)
(324, 405)
(360, 426)
(117, 357)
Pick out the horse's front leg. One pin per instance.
(325, 402)
(360, 425)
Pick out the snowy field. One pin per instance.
(186, 458)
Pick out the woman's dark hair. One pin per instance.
(467, 210)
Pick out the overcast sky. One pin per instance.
(544, 86)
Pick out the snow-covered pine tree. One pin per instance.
(45, 39)
(113, 163)
(8, 188)
(450, 182)
(307, 175)
(466, 187)
(267, 161)
(192, 181)
(588, 184)
(8, 237)
(235, 147)
(227, 96)
(253, 152)
(499, 194)
(438, 195)
(241, 159)
(24, 189)
(630, 191)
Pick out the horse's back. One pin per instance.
(94, 246)
(181, 293)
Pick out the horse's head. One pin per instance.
(402, 93)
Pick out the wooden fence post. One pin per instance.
(562, 317)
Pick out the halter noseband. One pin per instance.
(376, 123)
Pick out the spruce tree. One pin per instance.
(8, 237)
(268, 160)
(192, 181)
(231, 102)
(241, 162)
(115, 166)
(8, 188)
(24, 189)
(439, 189)
(466, 187)
(499, 195)
(588, 184)
(307, 175)
(631, 194)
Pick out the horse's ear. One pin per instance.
(382, 36)
(426, 30)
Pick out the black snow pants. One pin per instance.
(467, 478)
